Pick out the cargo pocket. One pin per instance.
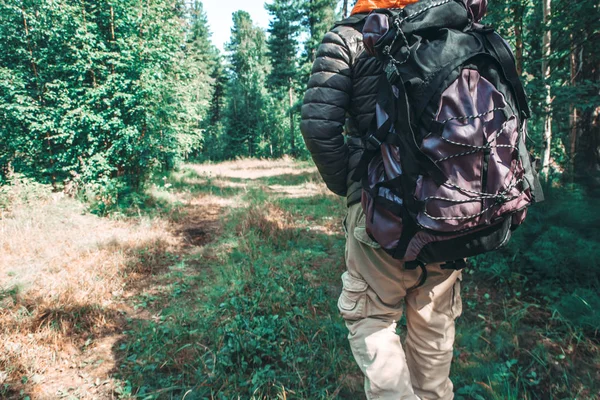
(360, 233)
(456, 299)
(353, 298)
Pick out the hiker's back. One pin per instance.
(446, 173)
(343, 66)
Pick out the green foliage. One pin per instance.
(197, 81)
(246, 113)
(284, 29)
(282, 44)
(263, 318)
(582, 309)
(93, 92)
(253, 122)
(253, 313)
(574, 78)
(555, 256)
(86, 89)
(318, 18)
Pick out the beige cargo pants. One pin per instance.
(374, 288)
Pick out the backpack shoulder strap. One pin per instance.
(352, 20)
(507, 62)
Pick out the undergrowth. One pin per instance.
(259, 319)
(260, 323)
(246, 308)
(532, 325)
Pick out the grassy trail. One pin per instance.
(223, 284)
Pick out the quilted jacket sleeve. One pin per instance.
(324, 111)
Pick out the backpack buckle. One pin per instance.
(456, 264)
(391, 72)
(501, 199)
(372, 143)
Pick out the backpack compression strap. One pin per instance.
(509, 69)
(399, 118)
(352, 20)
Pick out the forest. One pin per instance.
(106, 94)
(123, 131)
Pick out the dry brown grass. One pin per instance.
(67, 277)
(63, 275)
(305, 181)
(270, 222)
(248, 168)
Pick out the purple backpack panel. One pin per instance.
(473, 113)
(381, 223)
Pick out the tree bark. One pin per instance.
(112, 24)
(547, 51)
(573, 112)
(588, 143)
(517, 9)
(292, 141)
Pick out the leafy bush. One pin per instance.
(555, 255)
(90, 90)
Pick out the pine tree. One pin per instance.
(196, 84)
(214, 141)
(319, 16)
(284, 29)
(245, 122)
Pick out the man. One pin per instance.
(342, 91)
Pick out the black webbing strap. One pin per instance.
(456, 264)
(407, 136)
(376, 135)
(435, 85)
(412, 265)
(352, 20)
(507, 63)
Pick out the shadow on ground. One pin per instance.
(240, 302)
(233, 302)
(249, 311)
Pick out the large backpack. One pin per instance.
(445, 171)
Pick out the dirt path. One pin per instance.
(69, 280)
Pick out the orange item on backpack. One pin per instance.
(364, 6)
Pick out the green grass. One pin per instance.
(253, 314)
(531, 327)
(256, 318)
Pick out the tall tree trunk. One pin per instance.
(345, 9)
(588, 143)
(292, 141)
(573, 112)
(517, 9)
(547, 51)
(112, 24)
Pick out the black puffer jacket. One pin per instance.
(341, 91)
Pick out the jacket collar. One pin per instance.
(476, 8)
(365, 6)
